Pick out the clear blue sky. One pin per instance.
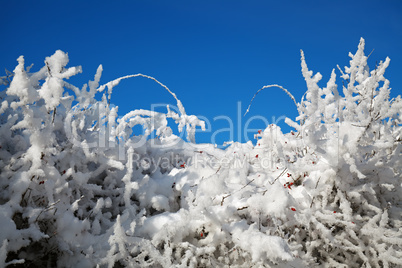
(212, 54)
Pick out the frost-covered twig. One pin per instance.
(268, 86)
(115, 82)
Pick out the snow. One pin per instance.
(261, 246)
(79, 190)
(154, 225)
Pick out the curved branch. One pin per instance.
(117, 81)
(264, 87)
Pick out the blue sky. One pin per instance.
(213, 54)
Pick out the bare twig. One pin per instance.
(316, 185)
(245, 185)
(51, 206)
(357, 125)
(224, 197)
(218, 170)
(370, 53)
(54, 115)
(23, 201)
(280, 175)
(8, 75)
(48, 69)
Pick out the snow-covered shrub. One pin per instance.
(79, 189)
(72, 173)
(355, 215)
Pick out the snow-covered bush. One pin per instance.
(79, 189)
(72, 173)
(355, 215)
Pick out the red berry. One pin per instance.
(41, 182)
(202, 234)
(293, 209)
(256, 156)
(334, 211)
(183, 165)
(259, 131)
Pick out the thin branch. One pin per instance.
(370, 53)
(280, 175)
(316, 185)
(8, 75)
(224, 197)
(357, 125)
(245, 185)
(54, 115)
(50, 207)
(117, 81)
(218, 169)
(264, 87)
(48, 69)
